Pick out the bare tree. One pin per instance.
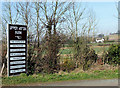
(24, 9)
(52, 15)
(80, 25)
(9, 16)
(38, 33)
(37, 9)
(38, 25)
(76, 17)
(92, 23)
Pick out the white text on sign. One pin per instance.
(15, 71)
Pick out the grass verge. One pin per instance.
(23, 79)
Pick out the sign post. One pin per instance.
(17, 49)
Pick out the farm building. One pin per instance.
(113, 37)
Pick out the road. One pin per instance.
(106, 82)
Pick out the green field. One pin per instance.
(66, 51)
(23, 79)
(101, 49)
(98, 49)
(95, 44)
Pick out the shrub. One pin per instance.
(52, 45)
(89, 59)
(68, 65)
(83, 55)
(113, 55)
(30, 55)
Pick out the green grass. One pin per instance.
(100, 49)
(23, 79)
(68, 45)
(66, 51)
(97, 50)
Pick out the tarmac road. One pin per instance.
(106, 82)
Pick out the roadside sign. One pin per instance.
(17, 49)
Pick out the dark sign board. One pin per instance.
(17, 49)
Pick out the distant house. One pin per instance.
(100, 40)
(113, 37)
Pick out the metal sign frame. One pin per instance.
(17, 49)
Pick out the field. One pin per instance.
(98, 47)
